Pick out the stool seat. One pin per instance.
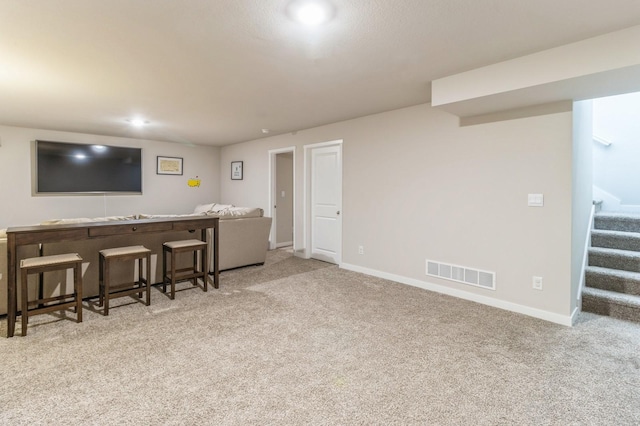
(40, 265)
(172, 274)
(182, 244)
(123, 251)
(54, 259)
(110, 291)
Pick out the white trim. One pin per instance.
(585, 254)
(323, 144)
(574, 315)
(285, 244)
(489, 301)
(272, 193)
(300, 254)
(306, 197)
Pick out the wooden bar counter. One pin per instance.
(43, 234)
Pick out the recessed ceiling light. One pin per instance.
(310, 12)
(138, 122)
(265, 131)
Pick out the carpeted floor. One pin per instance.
(302, 342)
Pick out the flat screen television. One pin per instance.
(63, 167)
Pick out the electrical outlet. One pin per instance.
(360, 249)
(537, 283)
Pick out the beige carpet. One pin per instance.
(302, 342)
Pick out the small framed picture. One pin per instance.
(236, 170)
(169, 166)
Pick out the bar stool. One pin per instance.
(38, 265)
(192, 272)
(107, 290)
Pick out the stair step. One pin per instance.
(615, 239)
(614, 259)
(617, 222)
(626, 282)
(617, 305)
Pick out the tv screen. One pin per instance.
(68, 167)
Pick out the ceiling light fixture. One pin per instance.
(310, 12)
(265, 131)
(137, 122)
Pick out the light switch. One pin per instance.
(536, 200)
(282, 194)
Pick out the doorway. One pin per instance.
(282, 197)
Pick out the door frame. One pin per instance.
(306, 222)
(273, 196)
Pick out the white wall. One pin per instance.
(605, 65)
(582, 197)
(162, 194)
(615, 167)
(418, 186)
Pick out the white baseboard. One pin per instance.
(575, 313)
(285, 244)
(566, 320)
(301, 253)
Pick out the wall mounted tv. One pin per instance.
(77, 168)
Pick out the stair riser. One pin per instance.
(614, 262)
(616, 242)
(612, 309)
(612, 283)
(617, 224)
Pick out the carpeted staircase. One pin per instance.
(612, 279)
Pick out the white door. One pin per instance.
(326, 204)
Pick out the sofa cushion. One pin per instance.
(217, 208)
(238, 212)
(159, 216)
(203, 208)
(212, 207)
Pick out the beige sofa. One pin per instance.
(243, 241)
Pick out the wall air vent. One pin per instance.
(462, 274)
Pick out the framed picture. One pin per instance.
(169, 166)
(236, 170)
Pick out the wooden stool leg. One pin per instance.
(101, 280)
(107, 280)
(195, 267)
(164, 269)
(148, 278)
(25, 301)
(205, 267)
(140, 277)
(77, 269)
(173, 275)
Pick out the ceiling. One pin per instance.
(216, 72)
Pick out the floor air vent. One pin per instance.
(461, 274)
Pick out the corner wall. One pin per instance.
(418, 186)
(162, 194)
(582, 196)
